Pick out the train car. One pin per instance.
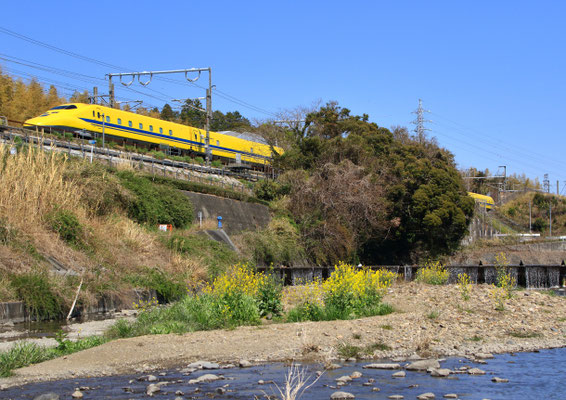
(125, 127)
(482, 200)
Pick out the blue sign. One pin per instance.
(92, 141)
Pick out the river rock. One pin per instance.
(151, 378)
(188, 371)
(47, 396)
(382, 366)
(344, 378)
(205, 378)
(423, 365)
(499, 380)
(426, 396)
(450, 396)
(440, 372)
(483, 356)
(203, 365)
(342, 396)
(400, 374)
(77, 394)
(356, 375)
(476, 371)
(151, 389)
(395, 397)
(244, 364)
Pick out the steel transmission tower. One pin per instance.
(420, 121)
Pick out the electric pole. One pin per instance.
(420, 121)
(176, 71)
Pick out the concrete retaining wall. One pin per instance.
(237, 216)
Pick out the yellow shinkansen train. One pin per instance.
(482, 200)
(129, 128)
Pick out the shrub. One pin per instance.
(156, 204)
(216, 164)
(157, 154)
(34, 289)
(433, 273)
(348, 293)
(199, 160)
(168, 288)
(504, 280)
(67, 225)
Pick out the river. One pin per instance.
(537, 375)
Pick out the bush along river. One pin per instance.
(536, 375)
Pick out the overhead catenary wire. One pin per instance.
(221, 94)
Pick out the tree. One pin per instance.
(167, 113)
(190, 115)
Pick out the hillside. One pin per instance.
(541, 205)
(64, 220)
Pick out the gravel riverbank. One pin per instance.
(432, 321)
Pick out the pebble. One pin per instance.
(342, 396)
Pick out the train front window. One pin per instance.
(65, 107)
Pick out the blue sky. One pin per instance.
(491, 73)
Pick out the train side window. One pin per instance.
(119, 121)
(252, 149)
(160, 130)
(170, 132)
(93, 114)
(107, 119)
(218, 143)
(141, 125)
(130, 124)
(98, 115)
(151, 128)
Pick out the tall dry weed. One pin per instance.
(32, 184)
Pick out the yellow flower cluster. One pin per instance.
(464, 285)
(358, 282)
(145, 305)
(240, 279)
(433, 273)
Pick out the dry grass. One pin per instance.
(194, 268)
(32, 184)
(296, 383)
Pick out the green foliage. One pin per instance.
(67, 225)
(156, 204)
(157, 154)
(168, 288)
(35, 290)
(464, 286)
(269, 298)
(199, 160)
(217, 256)
(23, 354)
(278, 244)
(269, 190)
(216, 164)
(203, 188)
(370, 195)
(434, 314)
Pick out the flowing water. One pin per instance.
(538, 375)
